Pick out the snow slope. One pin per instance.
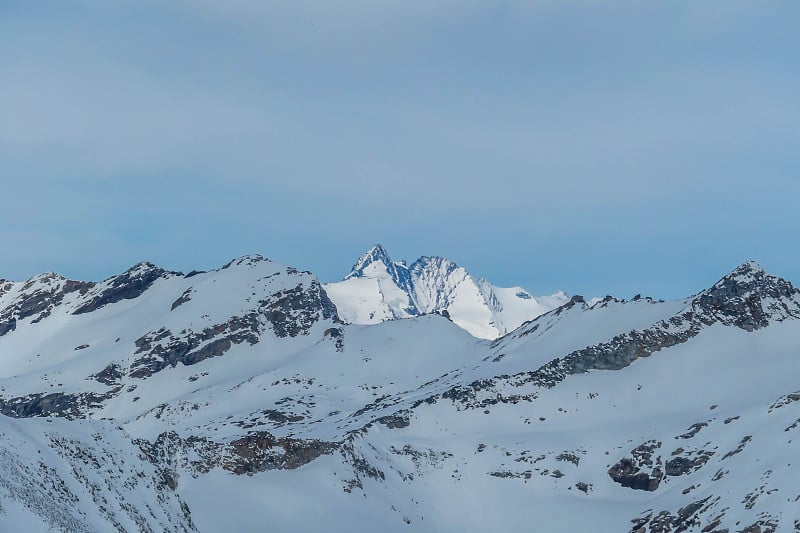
(242, 391)
(81, 476)
(379, 289)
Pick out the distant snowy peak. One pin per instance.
(375, 258)
(377, 264)
(378, 288)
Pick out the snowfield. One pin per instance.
(252, 397)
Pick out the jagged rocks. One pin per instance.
(645, 470)
(394, 421)
(162, 349)
(739, 448)
(110, 375)
(665, 522)
(55, 404)
(337, 334)
(631, 472)
(680, 465)
(290, 312)
(182, 299)
(627, 474)
(784, 401)
(693, 430)
(749, 298)
(261, 451)
(37, 298)
(128, 285)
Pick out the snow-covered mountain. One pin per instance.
(237, 400)
(379, 288)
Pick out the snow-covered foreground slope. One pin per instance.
(257, 409)
(81, 476)
(378, 289)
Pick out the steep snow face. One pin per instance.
(375, 290)
(379, 289)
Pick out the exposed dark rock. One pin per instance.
(162, 349)
(182, 299)
(5, 286)
(739, 298)
(739, 448)
(583, 487)
(630, 472)
(503, 474)
(362, 468)
(568, 457)
(626, 474)
(333, 333)
(784, 401)
(290, 312)
(280, 417)
(127, 286)
(54, 404)
(110, 375)
(8, 325)
(394, 421)
(678, 466)
(688, 517)
(694, 429)
(338, 335)
(261, 451)
(37, 298)
(765, 524)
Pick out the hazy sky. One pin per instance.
(595, 147)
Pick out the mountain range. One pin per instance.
(250, 397)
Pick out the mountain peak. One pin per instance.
(748, 269)
(377, 253)
(750, 298)
(246, 260)
(45, 277)
(142, 267)
(378, 249)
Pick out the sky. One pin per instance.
(613, 147)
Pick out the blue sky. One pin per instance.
(595, 147)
